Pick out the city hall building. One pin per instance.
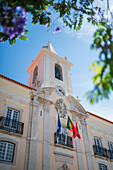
(29, 120)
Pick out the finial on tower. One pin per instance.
(50, 47)
(77, 99)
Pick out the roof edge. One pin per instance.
(16, 82)
(99, 117)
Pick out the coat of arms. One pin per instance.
(61, 108)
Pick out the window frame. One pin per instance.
(103, 165)
(6, 151)
(99, 139)
(34, 76)
(13, 107)
(64, 133)
(58, 66)
(109, 142)
(15, 151)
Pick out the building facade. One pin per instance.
(29, 120)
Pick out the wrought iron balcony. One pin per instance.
(63, 140)
(11, 125)
(110, 153)
(100, 151)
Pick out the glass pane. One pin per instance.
(9, 154)
(102, 167)
(14, 119)
(6, 151)
(110, 146)
(9, 112)
(97, 142)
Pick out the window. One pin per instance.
(97, 142)
(11, 121)
(6, 151)
(58, 72)
(110, 150)
(102, 167)
(35, 74)
(110, 146)
(40, 112)
(98, 149)
(12, 118)
(63, 136)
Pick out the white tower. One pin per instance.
(50, 70)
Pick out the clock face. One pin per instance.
(60, 91)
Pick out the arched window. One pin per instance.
(35, 74)
(102, 167)
(58, 72)
(97, 142)
(6, 151)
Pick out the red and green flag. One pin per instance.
(78, 135)
(73, 129)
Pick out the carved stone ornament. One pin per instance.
(61, 108)
(64, 167)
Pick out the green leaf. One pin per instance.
(22, 37)
(26, 31)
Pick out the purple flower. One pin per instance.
(18, 8)
(53, 31)
(19, 21)
(58, 29)
(99, 10)
(46, 25)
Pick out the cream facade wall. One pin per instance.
(15, 97)
(103, 130)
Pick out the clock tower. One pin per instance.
(50, 70)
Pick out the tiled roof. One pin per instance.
(16, 82)
(100, 117)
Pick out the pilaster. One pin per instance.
(87, 144)
(46, 147)
(31, 148)
(78, 147)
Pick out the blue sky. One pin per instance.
(14, 60)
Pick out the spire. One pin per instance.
(50, 47)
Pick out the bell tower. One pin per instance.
(50, 70)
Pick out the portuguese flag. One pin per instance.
(73, 129)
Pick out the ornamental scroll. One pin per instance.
(61, 108)
(64, 167)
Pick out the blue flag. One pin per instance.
(59, 126)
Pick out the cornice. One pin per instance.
(80, 114)
(76, 106)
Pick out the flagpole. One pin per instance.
(58, 127)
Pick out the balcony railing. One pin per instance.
(110, 153)
(100, 151)
(11, 125)
(63, 140)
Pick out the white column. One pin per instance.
(31, 148)
(46, 147)
(87, 144)
(78, 147)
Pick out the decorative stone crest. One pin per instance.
(61, 108)
(64, 167)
